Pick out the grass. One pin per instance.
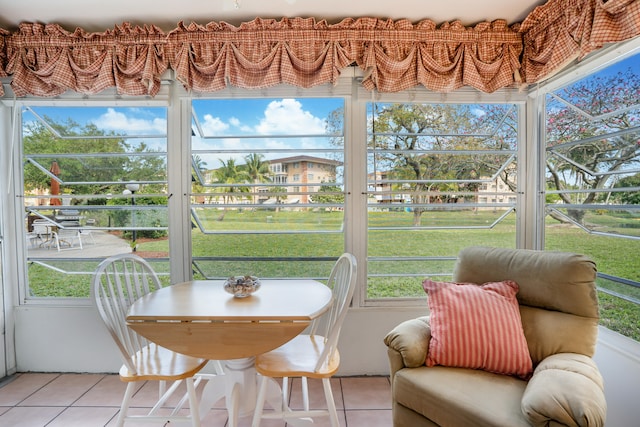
(421, 253)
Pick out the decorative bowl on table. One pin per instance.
(242, 286)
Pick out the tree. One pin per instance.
(423, 148)
(329, 194)
(231, 176)
(257, 171)
(591, 136)
(631, 197)
(199, 167)
(91, 165)
(39, 140)
(280, 193)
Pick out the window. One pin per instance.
(428, 169)
(94, 181)
(247, 215)
(593, 178)
(270, 195)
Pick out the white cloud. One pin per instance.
(121, 122)
(282, 117)
(213, 125)
(288, 117)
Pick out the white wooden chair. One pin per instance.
(313, 355)
(117, 283)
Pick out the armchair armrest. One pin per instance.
(566, 388)
(408, 344)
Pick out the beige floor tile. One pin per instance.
(325, 422)
(366, 392)
(136, 411)
(70, 400)
(316, 401)
(246, 422)
(21, 386)
(33, 416)
(64, 390)
(109, 391)
(84, 416)
(146, 396)
(369, 418)
(316, 394)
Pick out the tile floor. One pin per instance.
(92, 400)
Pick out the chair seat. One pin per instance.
(314, 355)
(118, 282)
(298, 358)
(157, 363)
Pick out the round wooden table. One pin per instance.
(200, 319)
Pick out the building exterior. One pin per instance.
(496, 192)
(300, 175)
(492, 191)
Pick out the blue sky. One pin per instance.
(632, 62)
(273, 119)
(235, 118)
(230, 117)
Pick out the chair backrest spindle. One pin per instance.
(117, 283)
(342, 282)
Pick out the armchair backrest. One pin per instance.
(557, 295)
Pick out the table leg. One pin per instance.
(241, 375)
(214, 390)
(238, 385)
(233, 404)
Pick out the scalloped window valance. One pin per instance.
(46, 60)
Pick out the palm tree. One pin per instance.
(257, 170)
(230, 174)
(199, 167)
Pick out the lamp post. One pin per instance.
(132, 187)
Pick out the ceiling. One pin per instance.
(97, 16)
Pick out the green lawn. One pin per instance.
(388, 278)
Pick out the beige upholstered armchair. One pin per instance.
(558, 309)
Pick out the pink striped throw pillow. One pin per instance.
(477, 326)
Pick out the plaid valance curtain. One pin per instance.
(46, 60)
(395, 54)
(563, 30)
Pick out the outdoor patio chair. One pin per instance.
(42, 234)
(67, 237)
